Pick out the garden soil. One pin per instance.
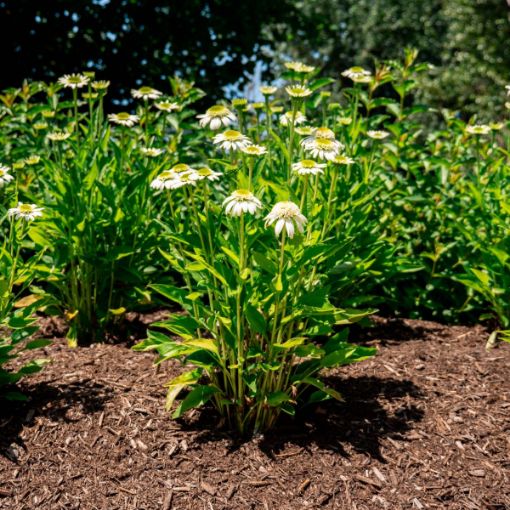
(425, 424)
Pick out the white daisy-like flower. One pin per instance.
(496, 126)
(241, 201)
(239, 102)
(5, 176)
(298, 91)
(358, 75)
(299, 67)
(27, 212)
(33, 159)
(178, 176)
(206, 173)
(286, 118)
(377, 134)
(308, 167)
(322, 148)
(288, 216)
(254, 150)
(146, 93)
(343, 160)
(231, 140)
(267, 90)
(304, 130)
(58, 136)
(100, 84)
(73, 81)
(478, 129)
(321, 132)
(507, 87)
(151, 152)
(167, 106)
(217, 116)
(123, 118)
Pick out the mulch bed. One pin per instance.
(425, 424)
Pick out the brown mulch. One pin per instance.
(425, 424)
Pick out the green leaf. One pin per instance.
(176, 385)
(255, 319)
(197, 397)
(277, 398)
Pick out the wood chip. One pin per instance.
(207, 487)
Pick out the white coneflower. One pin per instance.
(344, 121)
(254, 150)
(322, 148)
(304, 130)
(5, 176)
(167, 106)
(267, 90)
(178, 176)
(288, 216)
(239, 102)
(151, 152)
(343, 160)
(123, 118)
(146, 93)
(358, 75)
(255, 107)
(33, 160)
(478, 129)
(496, 126)
(378, 134)
(241, 201)
(27, 212)
(308, 167)
(231, 140)
(321, 132)
(299, 67)
(58, 136)
(206, 173)
(286, 118)
(73, 81)
(217, 116)
(298, 91)
(100, 84)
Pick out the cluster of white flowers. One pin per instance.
(183, 175)
(321, 144)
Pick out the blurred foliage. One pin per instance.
(217, 41)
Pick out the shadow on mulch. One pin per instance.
(395, 330)
(52, 401)
(360, 421)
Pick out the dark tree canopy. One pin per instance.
(135, 42)
(217, 42)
